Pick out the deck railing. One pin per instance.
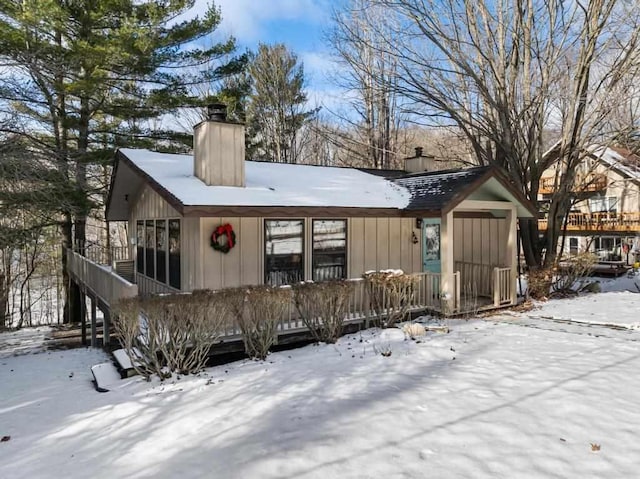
(502, 286)
(585, 184)
(101, 280)
(599, 222)
(426, 296)
(476, 278)
(101, 254)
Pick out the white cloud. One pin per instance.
(246, 19)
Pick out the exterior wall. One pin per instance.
(480, 241)
(383, 243)
(372, 244)
(149, 206)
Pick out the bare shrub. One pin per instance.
(258, 311)
(136, 337)
(323, 306)
(175, 333)
(539, 283)
(390, 294)
(572, 273)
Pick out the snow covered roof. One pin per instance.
(271, 184)
(620, 159)
(283, 189)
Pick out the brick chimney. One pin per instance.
(218, 149)
(419, 163)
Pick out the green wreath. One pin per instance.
(227, 232)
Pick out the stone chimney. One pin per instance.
(218, 149)
(419, 163)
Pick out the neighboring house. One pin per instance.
(605, 217)
(293, 223)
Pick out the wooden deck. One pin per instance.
(600, 222)
(586, 184)
(104, 286)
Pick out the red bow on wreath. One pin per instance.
(227, 231)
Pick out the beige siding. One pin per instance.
(381, 243)
(372, 243)
(242, 264)
(480, 240)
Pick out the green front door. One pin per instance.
(431, 245)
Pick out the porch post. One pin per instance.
(447, 281)
(511, 252)
(83, 316)
(94, 340)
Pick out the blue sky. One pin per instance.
(299, 24)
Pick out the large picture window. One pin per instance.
(140, 246)
(174, 254)
(329, 249)
(161, 251)
(284, 252)
(149, 259)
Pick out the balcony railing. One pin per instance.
(620, 222)
(585, 184)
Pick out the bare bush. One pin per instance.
(258, 311)
(539, 283)
(323, 306)
(571, 274)
(175, 333)
(390, 294)
(133, 331)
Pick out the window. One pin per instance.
(284, 251)
(329, 249)
(174, 254)
(161, 251)
(603, 204)
(573, 245)
(140, 246)
(149, 259)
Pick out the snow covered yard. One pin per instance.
(513, 396)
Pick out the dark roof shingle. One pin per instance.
(434, 191)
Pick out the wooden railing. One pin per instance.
(101, 254)
(427, 296)
(502, 286)
(599, 222)
(585, 184)
(102, 281)
(476, 278)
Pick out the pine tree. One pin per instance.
(86, 76)
(277, 104)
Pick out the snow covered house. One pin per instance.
(214, 220)
(605, 217)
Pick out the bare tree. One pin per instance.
(502, 72)
(369, 74)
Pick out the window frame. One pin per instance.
(345, 274)
(264, 246)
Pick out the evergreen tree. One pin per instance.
(86, 76)
(277, 104)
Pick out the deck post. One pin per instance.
(447, 284)
(106, 326)
(496, 287)
(511, 252)
(94, 339)
(83, 316)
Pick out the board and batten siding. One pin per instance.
(480, 241)
(383, 243)
(372, 244)
(149, 205)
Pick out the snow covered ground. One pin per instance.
(515, 396)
